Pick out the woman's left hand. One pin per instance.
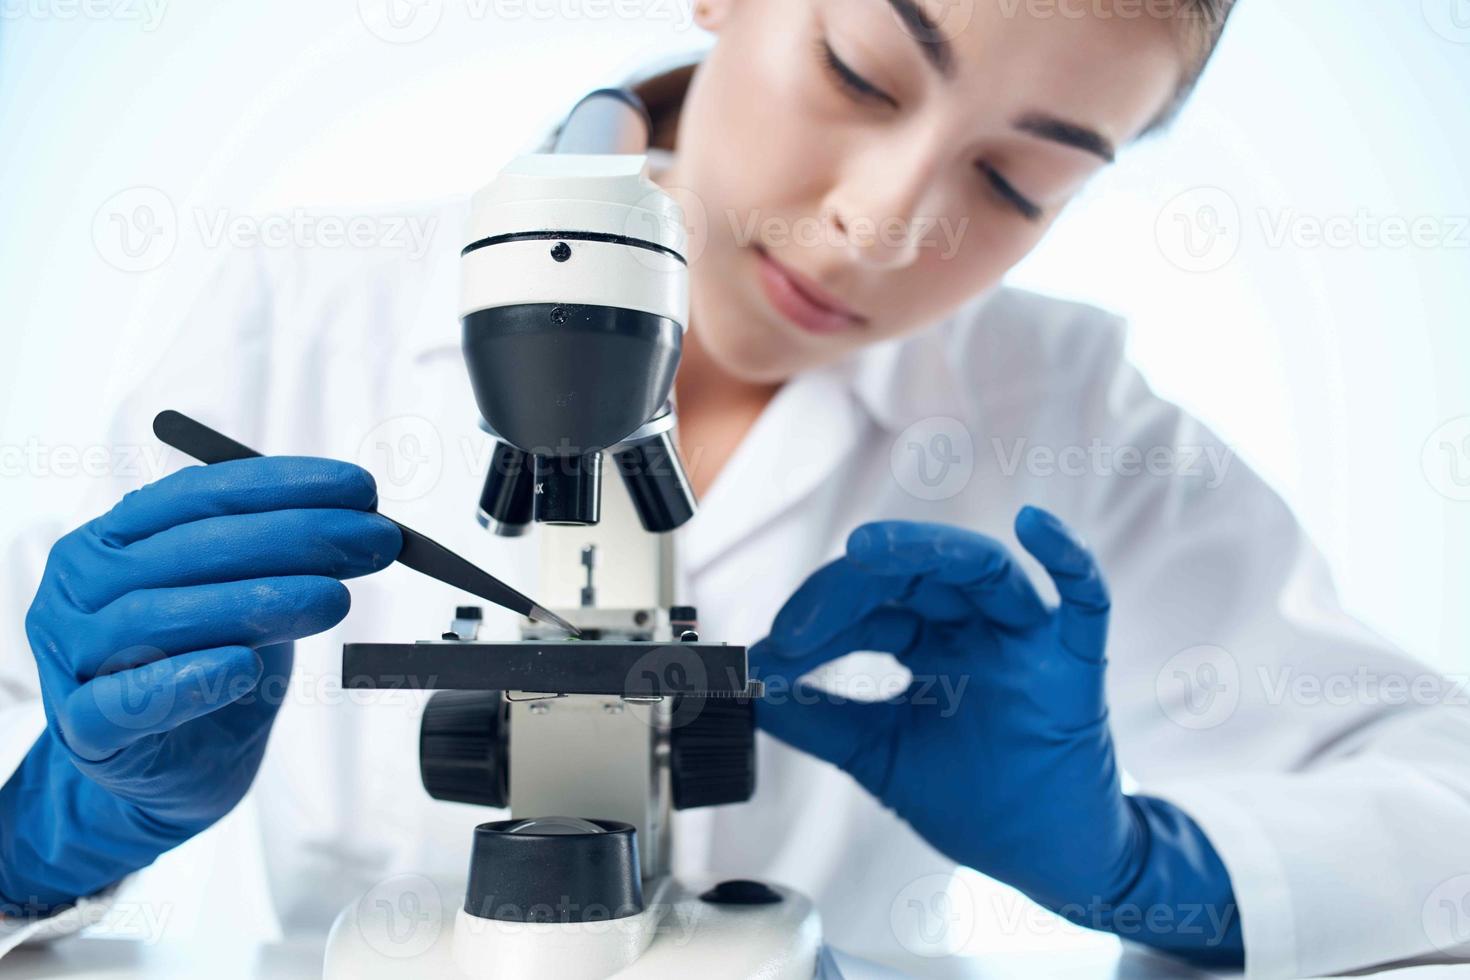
(998, 752)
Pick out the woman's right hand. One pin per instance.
(162, 635)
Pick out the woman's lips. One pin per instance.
(800, 300)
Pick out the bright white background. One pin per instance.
(1339, 370)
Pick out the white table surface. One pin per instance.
(108, 959)
(95, 959)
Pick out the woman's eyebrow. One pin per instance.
(1069, 134)
(927, 35)
(939, 52)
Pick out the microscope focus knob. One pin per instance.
(555, 870)
(463, 748)
(712, 753)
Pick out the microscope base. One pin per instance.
(403, 929)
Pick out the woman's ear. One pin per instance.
(710, 15)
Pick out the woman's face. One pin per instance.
(900, 169)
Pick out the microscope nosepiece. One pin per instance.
(568, 489)
(506, 501)
(655, 478)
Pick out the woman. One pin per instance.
(858, 390)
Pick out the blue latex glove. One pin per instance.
(1015, 776)
(163, 635)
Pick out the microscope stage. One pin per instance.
(615, 668)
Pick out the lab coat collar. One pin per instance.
(820, 417)
(809, 427)
(923, 374)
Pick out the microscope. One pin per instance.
(575, 298)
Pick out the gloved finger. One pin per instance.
(925, 647)
(151, 624)
(830, 600)
(842, 593)
(860, 738)
(246, 717)
(242, 486)
(939, 602)
(337, 543)
(887, 630)
(978, 566)
(1083, 614)
(108, 714)
(947, 653)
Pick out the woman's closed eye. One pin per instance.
(1029, 209)
(855, 85)
(859, 89)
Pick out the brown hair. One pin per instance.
(1201, 23)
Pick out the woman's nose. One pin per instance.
(878, 218)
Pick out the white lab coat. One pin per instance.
(1338, 819)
